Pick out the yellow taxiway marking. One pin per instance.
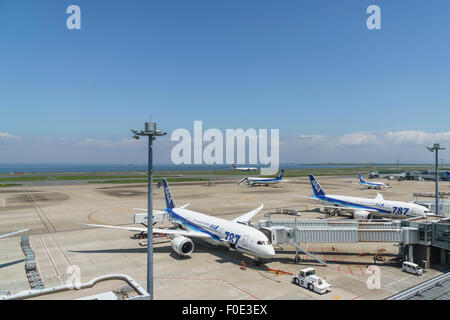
(95, 221)
(337, 298)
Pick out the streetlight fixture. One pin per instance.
(152, 133)
(436, 149)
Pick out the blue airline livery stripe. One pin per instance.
(192, 225)
(372, 184)
(350, 204)
(246, 249)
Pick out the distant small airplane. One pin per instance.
(244, 168)
(255, 181)
(374, 185)
(12, 233)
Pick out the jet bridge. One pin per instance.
(328, 231)
(297, 231)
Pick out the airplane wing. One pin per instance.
(145, 210)
(12, 233)
(191, 234)
(246, 217)
(158, 211)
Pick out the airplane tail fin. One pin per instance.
(170, 204)
(361, 179)
(280, 175)
(318, 191)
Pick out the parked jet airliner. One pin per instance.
(236, 234)
(256, 181)
(365, 208)
(375, 185)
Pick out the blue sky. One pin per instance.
(310, 68)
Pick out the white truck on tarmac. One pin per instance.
(307, 278)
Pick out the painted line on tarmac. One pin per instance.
(362, 271)
(96, 221)
(49, 257)
(60, 250)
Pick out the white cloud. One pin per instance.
(358, 139)
(7, 136)
(416, 137)
(387, 147)
(367, 139)
(364, 147)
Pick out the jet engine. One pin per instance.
(362, 215)
(182, 245)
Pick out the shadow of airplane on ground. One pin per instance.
(8, 264)
(224, 255)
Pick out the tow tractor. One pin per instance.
(307, 278)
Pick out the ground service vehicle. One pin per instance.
(412, 268)
(307, 278)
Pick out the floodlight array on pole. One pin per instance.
(152, 133)
(436, 149)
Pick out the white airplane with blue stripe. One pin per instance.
(257, 181)
(235, 234)
(12, 233)
(370, 185)
(366, 208)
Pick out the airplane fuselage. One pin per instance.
(375, 185)
(223, 232)
(383, 207)
(258, 181)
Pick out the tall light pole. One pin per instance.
(436, 149)
(152, 133)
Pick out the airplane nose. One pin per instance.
(266, 252)
(270, 251)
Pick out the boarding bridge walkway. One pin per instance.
(327, 231)
(297, 231)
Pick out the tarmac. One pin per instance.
(53, 211)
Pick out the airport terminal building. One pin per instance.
(427, 241)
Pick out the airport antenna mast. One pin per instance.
(152, 133)
(436, 149)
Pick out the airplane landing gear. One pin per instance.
(259, 262)
(142, 235)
